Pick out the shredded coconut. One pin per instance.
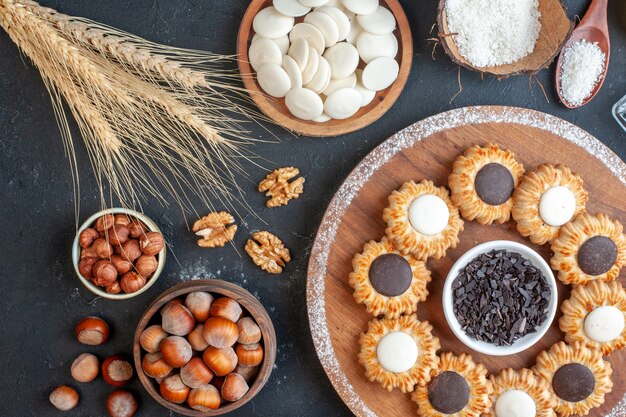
(583, 64)
(494, 32)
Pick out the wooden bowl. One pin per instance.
(248, 302)
(276, 109)
(555, 30)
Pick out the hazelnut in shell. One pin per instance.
(132, 282)
(121, 219)
(220, 332)
(114, 288)
(92, 331)
(176, 351)
(249, 331)
(199, 303)
(64, 398)
(118, 235)
(122, 264)
(85, 368)
(104, 273)
(196, 338)
(121, 403)
(250, 355)
(103, 248)
(155, 366)
(204, 398)
(220, 361)
(151, 243)
(173, 389)
(137, 229)
(151, 338)
(116, 371)
(195, 373)
(234, 387)
(226, 307)
(176, 319)
(248, 373)
(105, 222)
(131, 250)
(85, 267)
(146, 265)
(87, 237)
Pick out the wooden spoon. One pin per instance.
(593, 28)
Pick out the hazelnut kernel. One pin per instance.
(87, 237)
(105, 222)
(137, 229)
(146, 265)
(121, 219)
(102, 248)
(85, 267)
(122, 264)
(131, 250)
(85, 368)
(151, 243)
(118, 235)
(104, 273)
(132, 282)
(114, 288)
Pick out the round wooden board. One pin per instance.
(426, 150)
(276, 109)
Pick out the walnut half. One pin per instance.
(277, 186)
(268, 252)
(215, 229)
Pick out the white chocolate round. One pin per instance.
(515, 403)
(304, 103)
(326, 25)
(309, 33)
(355, 31)
(274, 80)
(428, 214)
(322, 119)
(334, 85)
(264, 51)
(604, 324)
(380, 73)
(270, 23)
(343, 59)
(340, 18)
(293, 71)
(557, 205)
(366, 95)
(312, 64)
(381, 22)
(343, 103)
(372, 46)
(397, 352)
(299, 51)
(291, 7)
(313, 3)
(363, 7)
(321, 79)
(282, 42)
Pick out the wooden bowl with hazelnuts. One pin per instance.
(204, 348)
(118, 253)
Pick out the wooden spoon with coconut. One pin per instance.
(594, 29)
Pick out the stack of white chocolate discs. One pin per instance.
(314, 64)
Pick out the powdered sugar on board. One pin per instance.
(370, 164)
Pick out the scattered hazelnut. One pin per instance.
(132, 282)
(248, 373)
(177, 320)
(220, 332)
(116, 371)
(173, 389)
(250, 355)
(137, 229)
(85, 267)
(204, 398)
(195, 373)
(196, 338)
(249, 331)
(103, 249)
(122, 264)
(176, 351)
(121, 219)
(155, 366)
(131, 250)
(114, 288)
(64, 398)
(146, 265)
(105, 222)
(85, 368)
(92, 331)
(220, 361)
(152, 337)
(199, 303)
(151, 243)
(104, 273)
(87, 237)
(234, 387)
(88, 253)
(121, 403)
(118, 235)
(227, 308)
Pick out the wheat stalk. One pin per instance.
(152, 117)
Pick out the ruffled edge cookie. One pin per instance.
(376, 303)
(427, 344)
(462, 178)
(527, 196)
(408, 240)
(548, 362)
(573, 235)
(475, 375)
(523, 380)
(582, 301)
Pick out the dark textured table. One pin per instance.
(41, 297)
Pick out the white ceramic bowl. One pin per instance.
(522, 343)
(99, 290)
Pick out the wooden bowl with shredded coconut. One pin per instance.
(490, 36)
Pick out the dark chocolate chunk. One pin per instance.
(448, 392)
(597, 255)
(390, 275)
(500, 297)
(494, 184)
(573, 382)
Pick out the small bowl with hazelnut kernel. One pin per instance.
(204, 348)
(118, 253)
